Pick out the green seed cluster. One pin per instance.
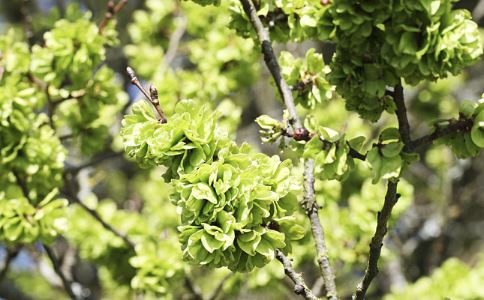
(381, 41)
(236, 206)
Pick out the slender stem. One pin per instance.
(120, 6)
(94, 161)
(72, 195)
(105, 224)
(175, 39)
(195, 290)
(271, 61)
(376, 244)
(306, 136)
(403, 125)
(300, 287)
(455, 126)
(112, 10)
(107, 16)
(216, 292)
(311, 207)
(58, 270)
(152, 96)
(9, 257)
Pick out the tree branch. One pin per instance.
(57, 268)
(175, 39)
(311, 207)
(461, 125)
(9, 257)
(195, 290)
(112, 10)
(94, 161)
(216, 292)
(376, 244)
(300, 287)
(73, 197)
(403, 125)
(271, 61)
(152, 96)
(306, 136)
(105, 224)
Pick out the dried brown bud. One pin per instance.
(153, 94)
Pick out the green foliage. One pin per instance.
(452, 280)
(104, 248)
(227, 204)
(32, 157)
(449, 43)
(84, 92)
(307, 78)
(235, 205)
(349, 242)
(286, 20)
(188, 140)
(220, 62)
(469, 142)
(158, 266)
(330, 153)
(378, 42)
(385, 157)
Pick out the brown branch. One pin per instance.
(175, 39)
(152, 97)
(120, 6)
(111, 11)
(218, 289)
(271, 61)
(67, 284)
(461, 125)
(403, 125)
(376, 244)
(194, 290)
(301, 135)
(300, 287)
(105, 224)
(69, 179)
(94, 161)
(311, 207)
(9, 257)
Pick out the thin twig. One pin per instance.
(271, 61)
(306, 136)
(195, 290)
(94, 161)
(216, 292)
(403, 125)
(111, 11)
(107, 16)
(175, 39)
(455, 126)
(152, 97)
(105, 224)
(9, 257)
(376, 244)
(300, 287)
(120, 6)
(58, 270)
(311, 207)
(73, 197)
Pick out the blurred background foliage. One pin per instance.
(434, 248)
